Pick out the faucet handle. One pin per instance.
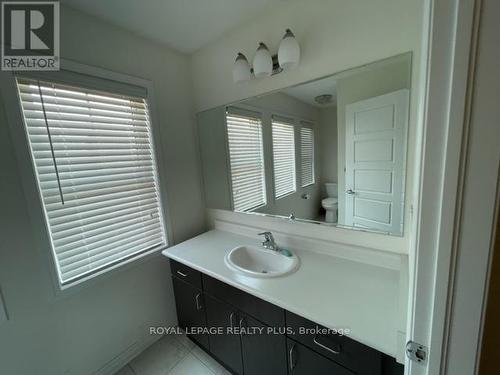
(267, 235)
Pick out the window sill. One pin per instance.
(285, 195)
(66, 290)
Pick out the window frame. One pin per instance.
(27, 172)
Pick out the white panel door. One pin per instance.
(375, 162)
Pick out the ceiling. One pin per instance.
(184, 25)
(308, 91)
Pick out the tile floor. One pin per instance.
(173, 355)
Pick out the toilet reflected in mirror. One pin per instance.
(331, 203)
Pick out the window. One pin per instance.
(283, 157)
(246, 158)
(95, 165)
(307, 155)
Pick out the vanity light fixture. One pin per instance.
(289, 51)
(265, 64)
(241, 69)
(262, 62)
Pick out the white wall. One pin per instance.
(328, 145)
(334, 35)
(79, 332)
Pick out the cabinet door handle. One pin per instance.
(242, 320)
(333, 351)
(181, 273)
(291, 360)
(199, 305)
(231, 319)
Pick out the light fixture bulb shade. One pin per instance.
(262, 62)
(241, 69)
(289, 51)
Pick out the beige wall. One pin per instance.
(79, 332)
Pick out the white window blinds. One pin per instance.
(97, 177)
(283, 157)
(246, 158)
(307, 155)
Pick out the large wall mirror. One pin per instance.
(330, 151)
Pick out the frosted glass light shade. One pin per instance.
(241, 69)
(289, 51)
(262, 62)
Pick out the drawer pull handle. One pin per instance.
(242, 321)
(326, 347)
(199, 306)
(182, 274)
(291, 360)
(231, 319)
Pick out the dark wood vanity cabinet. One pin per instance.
(256, 347)
(191, 307)
(263, 351)
(225, 346)
(255, 337)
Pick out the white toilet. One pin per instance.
(331, 204)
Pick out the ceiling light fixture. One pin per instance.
(323, 99)
(264, 64)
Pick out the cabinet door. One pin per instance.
(224, 345)
(190, 306)
(264, 352)
(304, 361)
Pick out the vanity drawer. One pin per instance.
(357, 357)
(266, 312)
(304, 361)
(185, 273)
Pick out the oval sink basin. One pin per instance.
(260, 262)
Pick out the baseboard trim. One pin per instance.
(115, 364)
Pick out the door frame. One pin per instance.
(449, 61)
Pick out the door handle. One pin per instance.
(291, 361)
(199, 305)
(182, 274)
(350, 192)
(333, 351)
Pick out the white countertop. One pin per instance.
(330, 291)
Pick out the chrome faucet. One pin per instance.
(269, 242)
